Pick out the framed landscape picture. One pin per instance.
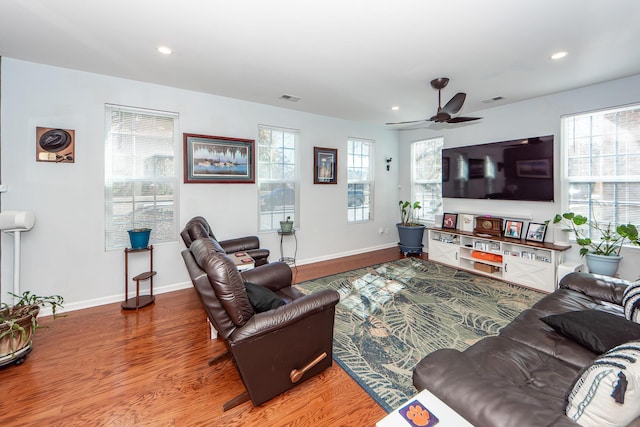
(325, 165)
(217, 159)
(536, 232)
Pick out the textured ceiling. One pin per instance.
(349, 59)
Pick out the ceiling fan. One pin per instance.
(444, 113)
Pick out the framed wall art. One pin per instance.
(535, 232)
(450, 220)
(325, 165)
(218, 160)
(55, 145)
(513, 229)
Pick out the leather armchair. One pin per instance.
(198, 227)
(273, 350)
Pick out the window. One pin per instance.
(602, 164)
(140, 175)
(276, 176)
(359, 179)
(426, 185)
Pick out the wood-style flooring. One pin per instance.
(105, 366)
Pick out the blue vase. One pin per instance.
(410, 238)
(139, 237)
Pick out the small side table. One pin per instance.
(138, 301)
(447, 416)
(289, 260)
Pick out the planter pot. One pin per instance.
(560, 236)
(286, 226)
(139, 237)
(601, 264)
(410, 238)
(13, 340)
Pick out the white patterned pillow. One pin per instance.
(631, 302)
(607, 393)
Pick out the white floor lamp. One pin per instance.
(15, 222)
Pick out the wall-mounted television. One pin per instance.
(521, 169)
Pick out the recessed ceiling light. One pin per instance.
(559, 55)
(395, 108)
(165, 50)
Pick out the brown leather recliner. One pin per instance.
(198, 227)
(272, 350)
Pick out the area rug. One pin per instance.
(393, 314)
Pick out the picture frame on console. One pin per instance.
(513, 229)
(536, 232)
(450, 220)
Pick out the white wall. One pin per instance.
(64, 253)
(540, 116)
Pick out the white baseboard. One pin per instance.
(46, 311)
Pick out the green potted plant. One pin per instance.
(410, 230)
(602, 255)
(286, 226)
(19, 321)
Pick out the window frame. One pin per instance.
(421, 217)
(597, 182)
(284, 183)
(353, 210)
(115, 234)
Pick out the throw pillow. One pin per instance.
(631, 302)
(607, 392)
(596, 330)
(261, 298)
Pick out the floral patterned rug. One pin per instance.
(393, 314)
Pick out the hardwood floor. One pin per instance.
(110, 367)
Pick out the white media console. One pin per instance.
(517, 261)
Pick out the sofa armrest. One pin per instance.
(285, 315)
(604, 288)
(275, 276)
(240, 244)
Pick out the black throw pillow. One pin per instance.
(596, 330)
(263, 299)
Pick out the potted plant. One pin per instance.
(410, 230)
(286, 226)
(19, 321)
(602, 255)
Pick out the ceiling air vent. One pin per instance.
(291, 98)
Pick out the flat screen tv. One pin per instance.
(521, 169)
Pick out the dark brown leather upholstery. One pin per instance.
(198, 227)
(265, 347)
(520, 377)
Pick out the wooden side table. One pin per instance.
(138, 301)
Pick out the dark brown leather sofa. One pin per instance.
(275, 349)
(522, 376)
(198, 227)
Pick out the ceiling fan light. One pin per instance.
(165, 50)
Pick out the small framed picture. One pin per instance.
(449, 220)
(325, 165)
(513, 229)
(535, 232)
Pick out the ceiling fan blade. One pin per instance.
(405, 123)
(455, 104)
(462, 119)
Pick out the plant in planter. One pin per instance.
(410, 230)
(602, 255)
(286, 226)
(19, 321)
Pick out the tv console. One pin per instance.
(521, 262)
